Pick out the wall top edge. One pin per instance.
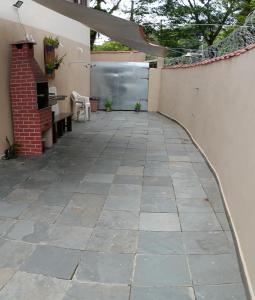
(213, 60)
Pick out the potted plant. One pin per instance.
(51, 43)
(50, 67)
(54, 64)
(108, 105)
(94, 103)
(138, 106)
(11, 151)
(59, 61)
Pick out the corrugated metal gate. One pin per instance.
(124, 83)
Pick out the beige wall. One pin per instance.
(216, 104)
(132, 56)
(68, 77)
(154, 89)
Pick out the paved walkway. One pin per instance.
(123, 208)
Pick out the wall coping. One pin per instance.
(115, 52)
(213, 60)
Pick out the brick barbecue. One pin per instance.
(31, 114)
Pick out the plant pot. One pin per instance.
(93, 104)
(108, 109)
(137, 110)
(49, 48)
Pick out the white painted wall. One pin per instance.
(40, 17)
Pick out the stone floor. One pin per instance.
(123, 208)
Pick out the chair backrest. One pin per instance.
(75, 96)
(53, 92)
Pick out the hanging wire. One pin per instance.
(21, 23)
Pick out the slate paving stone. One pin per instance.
(182, 170)
(162, 293)
(188, 188)
(129, 190)
(5, 225)
(113, 240)
(5, 275)
(23, 196)
(180, 158)
(94, 188)
(55, 197)
(160, 243)
(128, 179)
(11, 210)
(41, 213)
(119, 220)
(52, 261)
(28, 231)
(206, 243)
(99, 178)
(83, 291)
(157, 181)
(161, 270)
(117, 191)
(222, 292)
(159, 222)
(112, 268)
(122, 203)
(25, 286)
(156, 169)
(83, 210)
(4, 191)
(223, 221)
(158, 205)
(194, 205)
(71, 237)
(199, 222)
(158, 192)
(13, 253)
(214, 269)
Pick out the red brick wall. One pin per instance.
(46, 119)
(28, 121)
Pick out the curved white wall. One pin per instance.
(40, 17)
(216, 104)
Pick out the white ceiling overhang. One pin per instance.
(123, 31)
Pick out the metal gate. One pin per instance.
(123, 83)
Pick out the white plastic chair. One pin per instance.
(80, 104)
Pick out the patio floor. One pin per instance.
(123, 208)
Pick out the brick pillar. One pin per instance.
(26, 117)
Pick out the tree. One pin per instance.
(108, 6)
(110, 46)
(246, 7)
(197, 13)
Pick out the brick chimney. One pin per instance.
(31, 114)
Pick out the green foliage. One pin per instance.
(138, 106)
(11, 151)
(54, 64)
(172, 32)
(50, 41)
(110, 46)
(108, 105)
(246, 7)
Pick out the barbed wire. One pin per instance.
(238, 39)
